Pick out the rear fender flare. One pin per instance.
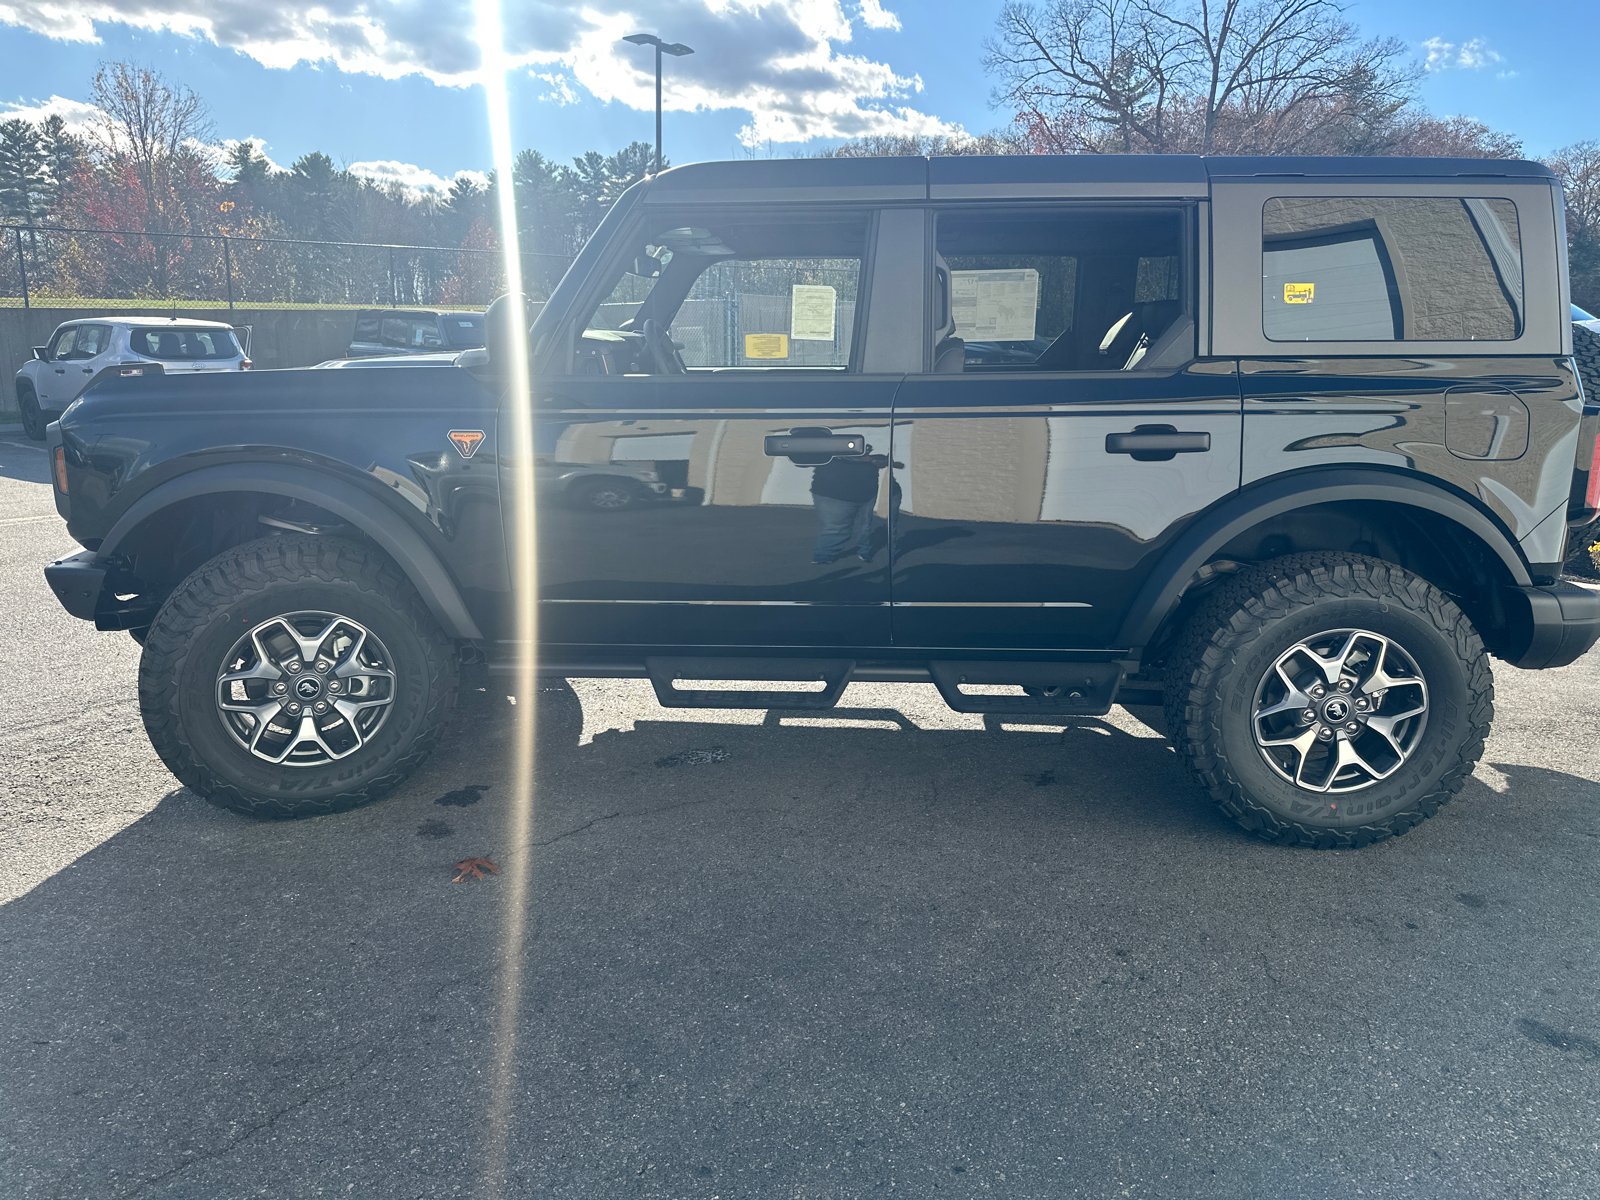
(344, 499)
(1261, 502)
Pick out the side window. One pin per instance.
(368, 328)
(396, 331)
(1064, 291)
(1390, 269)
(92, 340)
(65, 341)
(425, 333)
(764, 291)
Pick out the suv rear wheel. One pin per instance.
(608, 493)
(1329, 700)
(295, 675)
(32, 419)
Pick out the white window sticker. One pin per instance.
(995, 306)
(811, 312)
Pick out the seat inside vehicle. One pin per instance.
(1089, 291)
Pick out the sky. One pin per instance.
(386, 88)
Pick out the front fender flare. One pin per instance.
(1214, 529)
(344, 499)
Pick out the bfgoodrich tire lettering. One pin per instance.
(1233, 641)
(200, 626)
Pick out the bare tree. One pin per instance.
(153, 127)
(1202, 76)
(1578, 168)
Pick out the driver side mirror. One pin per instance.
(41, 353)
(498, 326)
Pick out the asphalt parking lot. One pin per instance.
(891, 950)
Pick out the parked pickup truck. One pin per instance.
(1291, 446)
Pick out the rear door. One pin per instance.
(1065, 428)
(719, 337)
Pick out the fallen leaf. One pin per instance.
(473, 867)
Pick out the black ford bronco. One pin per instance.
(1288, 445)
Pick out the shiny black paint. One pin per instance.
(1426, 416)
(728, 561)
(1018, 525)
(384, 431)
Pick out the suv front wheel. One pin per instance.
(1329, 700)
(295, 675)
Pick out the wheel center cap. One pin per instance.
(308, 687)
(1336, 709)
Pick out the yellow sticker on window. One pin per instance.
(766, 345)
(1299, 293)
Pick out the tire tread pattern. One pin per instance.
(1238, 613)
(233, 576)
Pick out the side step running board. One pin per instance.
(663, 672)
(1080, 688)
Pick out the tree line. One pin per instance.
(1077, 76)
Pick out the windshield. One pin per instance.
(183, 344)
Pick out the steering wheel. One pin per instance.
(663, 350)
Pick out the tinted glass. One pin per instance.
(91, 340)
(463, 332)
(183, 345)
(1065, 291)
(65, 341)
(1391, 269)
(368, 329)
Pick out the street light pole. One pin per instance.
(677, 50)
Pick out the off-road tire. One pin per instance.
(205, 616)
(1586, 352)
(33, 421)
(1233, 638)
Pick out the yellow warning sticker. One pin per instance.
(1299, 293)
(766, 345)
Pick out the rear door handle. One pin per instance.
(1156, 443)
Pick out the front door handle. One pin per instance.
(61, 370)
(1156, 443)
(814, 446)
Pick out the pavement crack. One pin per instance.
(249, 1133)
(639, 812)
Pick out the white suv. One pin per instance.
(79, 351)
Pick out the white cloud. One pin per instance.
(873, 16)
(775, 60)
(226, 147)
(77, 115)
(415, 181)
(1474, 54)
(560, 88)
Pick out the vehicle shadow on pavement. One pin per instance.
(768, 959)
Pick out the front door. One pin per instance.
(1066, 431)
(712, 466)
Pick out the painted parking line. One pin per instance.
(5, 441)
(25, 520)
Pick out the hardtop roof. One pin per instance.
(912, 178)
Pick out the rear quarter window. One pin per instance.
(1351, 269)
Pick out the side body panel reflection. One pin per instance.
(718, 543)
(1018, 527)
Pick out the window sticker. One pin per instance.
(1299, 293)
(995, 306)
(811, 310)
(767, 345)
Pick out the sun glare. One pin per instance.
(514, 445)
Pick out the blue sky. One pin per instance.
(389, 81)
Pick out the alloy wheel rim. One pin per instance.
(305, 689)
(1340, 711)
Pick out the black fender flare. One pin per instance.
(344, 499)
(1260, 502)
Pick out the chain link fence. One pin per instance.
(56, 267)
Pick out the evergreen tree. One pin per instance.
(24, 173)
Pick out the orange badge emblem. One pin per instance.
(467, 441)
